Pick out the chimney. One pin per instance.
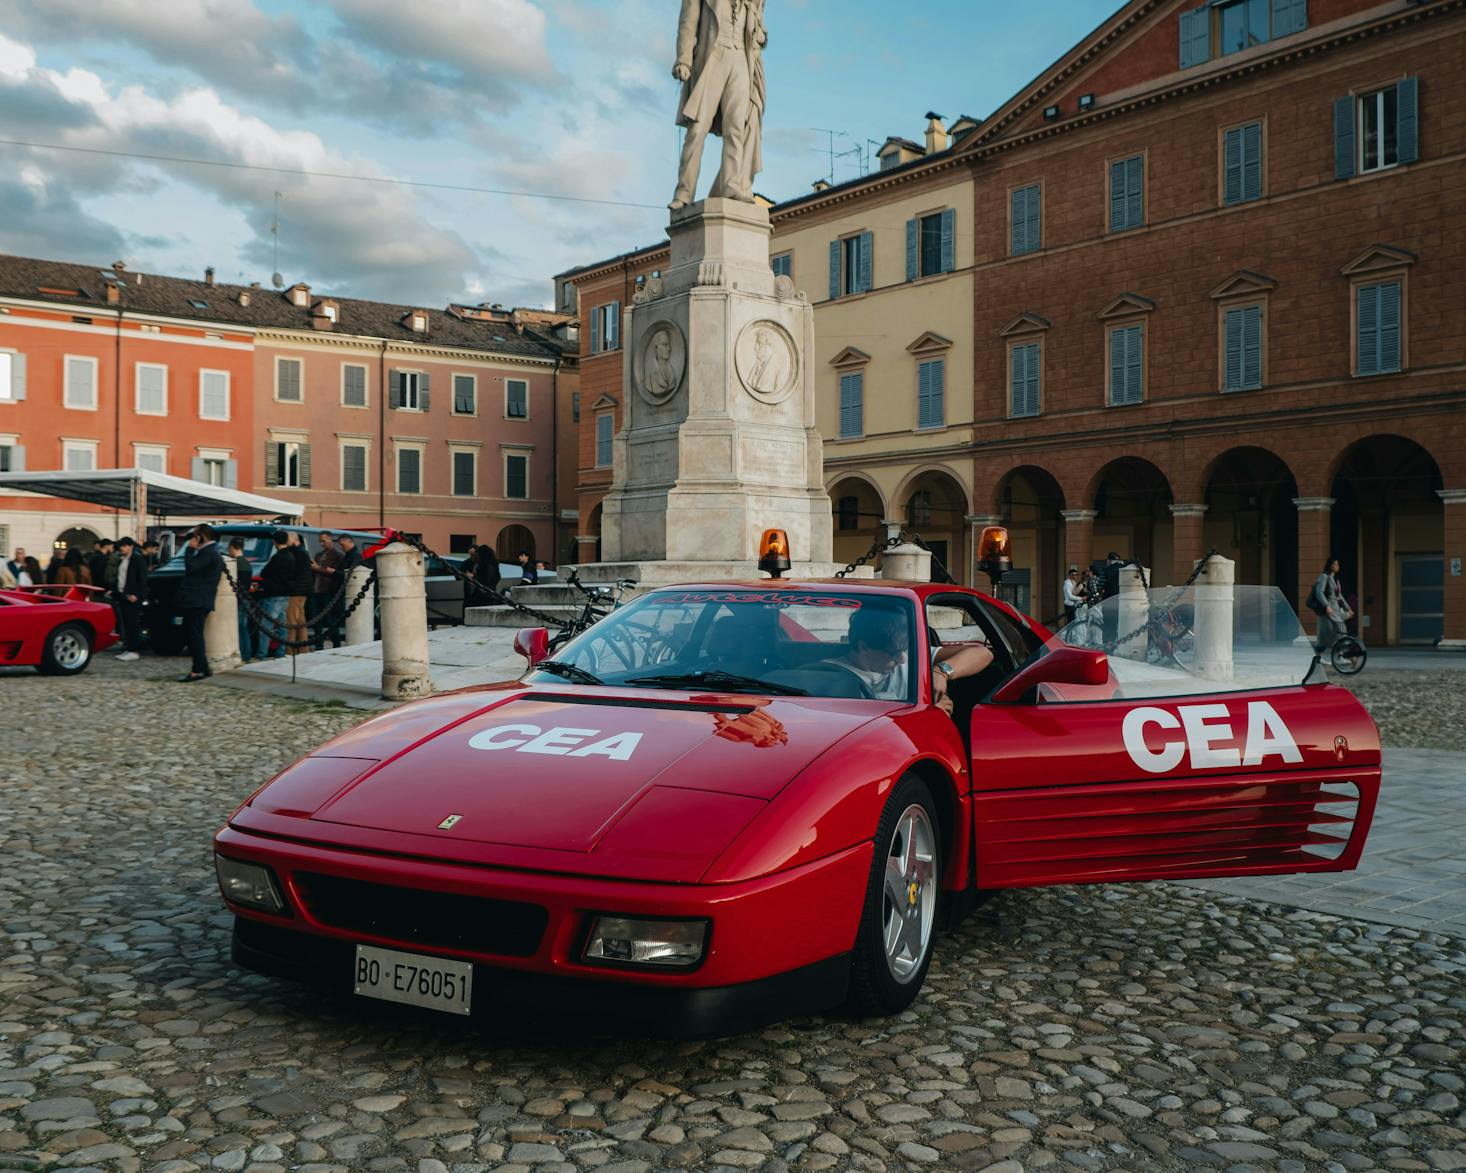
(244, 296)
(209, 275)
(936, 134)
(114, 294)
(119, 268)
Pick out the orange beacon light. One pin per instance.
(773, 553)
(994, 553)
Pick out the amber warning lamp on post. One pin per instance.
(994, 555)
(773, 553)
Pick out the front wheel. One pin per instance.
(68, 650)
(893, 947)
(1348, 655)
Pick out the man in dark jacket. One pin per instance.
(275, 596)
(302, 582)
(203, 565)
(128, 592)
(97, 562)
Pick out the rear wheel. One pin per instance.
(893, 947)
(68, 650)
(1348, 655)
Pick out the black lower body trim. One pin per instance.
(510, 996)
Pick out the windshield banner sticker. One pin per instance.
(682, 598)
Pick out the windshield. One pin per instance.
(816, 643)
(1205, 639)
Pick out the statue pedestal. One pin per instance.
(718, 442)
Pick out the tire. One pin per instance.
(68, 650)
(1348, 655)
(893, 946)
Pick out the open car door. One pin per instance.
(1212, 760)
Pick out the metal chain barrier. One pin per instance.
(277, 629)
(1166, 606)
(879, 547)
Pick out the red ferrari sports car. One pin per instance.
(726, 804)
(56, 633)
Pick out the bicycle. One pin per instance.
(594, 609)
(1347, 654)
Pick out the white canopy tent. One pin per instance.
(145, 493)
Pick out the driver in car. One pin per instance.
(877, 657)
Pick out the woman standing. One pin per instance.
(483, 566)
(1336, 613)
(73, 570)
(30, 572)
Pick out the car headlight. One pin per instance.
(248, 884)
(661, 944)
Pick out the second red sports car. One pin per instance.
(56, 630)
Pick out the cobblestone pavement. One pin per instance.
(1125, 1027)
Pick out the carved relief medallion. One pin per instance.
(768, 363)
(661, 363)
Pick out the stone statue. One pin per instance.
(720, 65)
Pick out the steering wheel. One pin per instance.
(865, 693)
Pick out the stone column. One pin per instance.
(1313, 548)
(1212, 596)
(976, 523)
(402, 596)
(1078, 537)
(907, 562)
(1454, 534)
(1134, 605)
(1187, 534)
(221, 629)
(361, 623)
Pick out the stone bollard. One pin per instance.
(907, 562)
(1212, 595)
(1134, 604)
(361, 623)
(402, 598)
(221, 629)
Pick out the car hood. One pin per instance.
(653, 784)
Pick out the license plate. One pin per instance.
(414, 980)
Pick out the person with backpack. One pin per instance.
(1326, 600)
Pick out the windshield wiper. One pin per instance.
(729, 681)
(569, 672)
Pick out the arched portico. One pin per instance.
(859, 509)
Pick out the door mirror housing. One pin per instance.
(533, 643)
(1061, 665)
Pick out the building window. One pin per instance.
(1242, 164)
(783, 265)
(931, 390)
(214, 468)
(353, 385)
(851, 265)
(605, 427)
(411, 390)
(1229, 26)
(287, 380)
(1242, 348)
(848, 513)
(1025, 362)
(465, 474)
(354, 468)
(575, 407)
(462, 543)
(852, 404)
(214, 395)
(605, 328)
(151, 457)
(12, 376)
(288, 464)
(79, 455)
(1127, 193)
(1025, 210)
(931, 244)
(151, 389)
(12, 455)
(409, 470)
(1378, 310)
(1127, 365)
(1377, 130)
(516, 399)
(80, 390)
(516, 477)
(465, 395)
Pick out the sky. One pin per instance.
(562, 98)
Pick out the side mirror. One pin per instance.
(1062, 665)
(533, 643)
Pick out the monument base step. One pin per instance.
(509, 617)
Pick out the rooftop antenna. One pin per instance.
(276, 280)
(829, 150)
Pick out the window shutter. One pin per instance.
(923, 393)
(834, 269)
(1232, 167)
(1134, 364)
(595, 330)
(1407, 120)
(1232, 351)
(1252, 161)
(272, 463)
(1032, 219)
(17, 458)
(1289, 16)
(1030, 391)
(424, 391)
(1117, 367)
(231, 474)
(395, 378)
(613, 327)
(1389, 327)
(1252, 347)
(1023, 388)
(949, 240)
(913, 249)
(1117, 196)
(1135, 192)
(17, 376)
(289, 380)
(852, 395)
(1195, 37)
(930, 381)
(196, 470)
(1018, 218)
(305, 466)
(867, 241)
(1368, 330)
(354, 390)
(1344, 160)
